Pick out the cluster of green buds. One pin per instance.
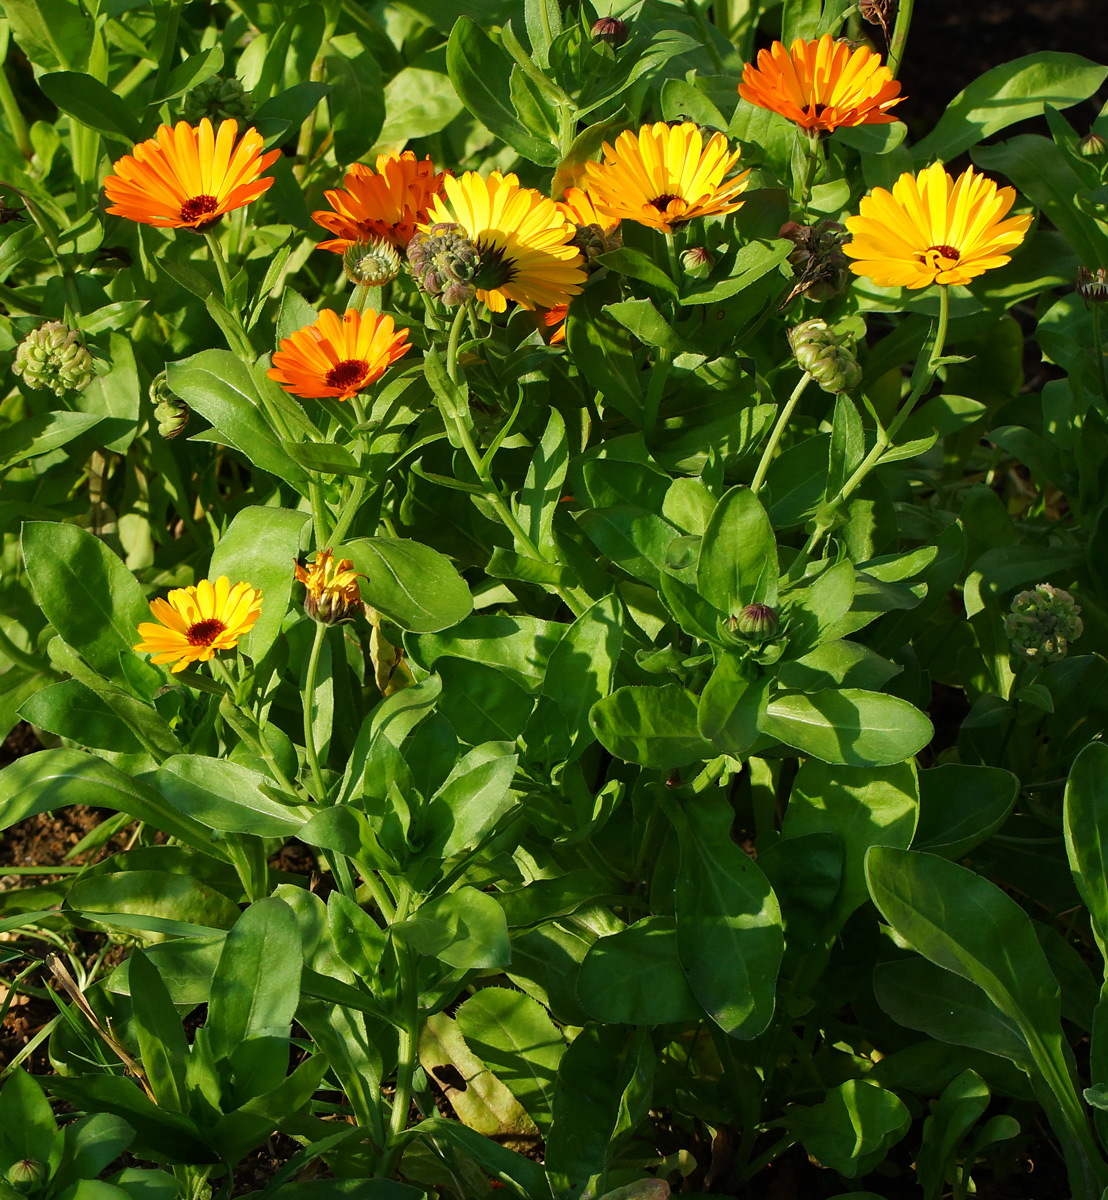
(217, 99)
(53, 356)
(26, 1176)
(827, 356)
(445, 263)
(372, 263)
(817, 259)
(170, 411)
(1092, 285)
(1042, 623)
(593, 241)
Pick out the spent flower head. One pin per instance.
(53, 356)
(445, 262)
(1042, 623)
(331, 589)
(819, 265)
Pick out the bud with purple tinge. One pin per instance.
(611, 31)
(1092, 145)
(758, 622)
(697, 262)
(27, 1176)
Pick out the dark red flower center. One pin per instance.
(347, 374)
(203, 633)
(661, 203)
(197, 207)
(933, 252)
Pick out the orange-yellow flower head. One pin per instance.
(387, 203)
(186, 178)
(338, 357)
(664, 176)
(933, 229)
(822, 84)
(195, 622)
(332, 593)
(525, 244)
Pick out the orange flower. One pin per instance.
(186, 178)
(388, 203)
(338, 358)
(822, 84)
(557, 316)
(195, 622)
(578, 206)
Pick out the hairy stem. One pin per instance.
(778, 430)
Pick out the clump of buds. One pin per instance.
(697, 262)
(331, 589)
(26, 1176)
(372, 263)
(53, 356)
(1092, 285)
(827, 356)
(170, 411)
(217, 99)
(611, 31)
(445, 263)
(1042, 623)
(594, 240)
(1092, 145)
(817, 260)
(757, 622)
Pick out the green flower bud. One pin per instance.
(611, 31)
(372, 263)
(758, 622)
(27, 1176)
(826, 356)
(592, 241)
(1092, 145)
(170, 411)
(1042, 623)
(445, 263)
(217, 99)
(697, 262)
(54, 356)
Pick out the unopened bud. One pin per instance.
(217, 99)
(1092, 145)
(758, 622)
(53, 356)
(170, 411)
(1092, 285)
(445, 263)
(611, 31)
(1042, 623)
(826, 356)
(593, 240)
(27, 1176)
(371, 264)
(697, 262)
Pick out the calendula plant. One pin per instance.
(538, 520)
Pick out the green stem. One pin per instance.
(900, 35)
(224, 273)
(408, 1052)
(694, 10)
(13, 116)
(1098, 346)
(169, 48)
(349, 511)
(778, 430)
(309, 705)
(22, 658)
(453, 342)
(811, 166)
(674, 261)
(319, 515)
(658, 377)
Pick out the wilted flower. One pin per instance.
(818, 262)
(827, 356)
(331, 592)
(195, 622)
(53, 356)
(445, 263)
(1092, 285)
(758, 622)
(217, 99)
(878, 12)
(611, 31)
(1042, 623)
(371, 263)
(697, 262)
(170, 411)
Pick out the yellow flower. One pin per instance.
(195, 622)
(338, 358)
(933, 229)
(387, 203)
(822, 84)
(525, 243)
(185, 178)
(332, 588)
(664, 176)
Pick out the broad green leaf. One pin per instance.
(651, 726)
(410, 583)
(542, 488)
(1086, 825)
(956, 1111)
(738, 269)
(848, 726)
(603, 351)
(143, 899)
(91, 1144)
(527, 1179)
(732, 706)
(582, 665)
(729, 935)
(41, 434)
(471, 800)
(85, 592)
(853, 1129)
(72, 711)
(961, 806)
(27, 1127)
(163, 1047)
(225, 796)
(738, 555)
(93, 104)
(356, 100)
(520, 645)
(482, 703)
(636, 265)
(465, 929)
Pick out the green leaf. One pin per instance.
(85, 592)
(582, 666)
(732, 707)
(603, 351)
(464, 929)
(225, 796)
(1086, 824)
(738, 555)
(520, 645)
(418, 103)
(635, 977)
(961, 806)
(526, 1178)
(93, 104)
(848, 726)
(480, 76)
(411, 584)
(545, 476)
(471, 800)
(39, 435)
(651, 726)
(90, 1145)
(953, 1115)
(52, 33)
(356, 101)
(518, 1042)
(729, 934)
(151, 897)
(72, 711)
(482, 703)
(738, 269)
(1007, 94)
(636, 265)
(853, 1129)
(163, 1048)
(27, 1128)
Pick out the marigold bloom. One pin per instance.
(186, 178)
(195, 622)
(336, 357)
(933, 229)
(557, 316)
(664, 176)
(387, 203)
(525, 244)
(332, 588)
(822, 84)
